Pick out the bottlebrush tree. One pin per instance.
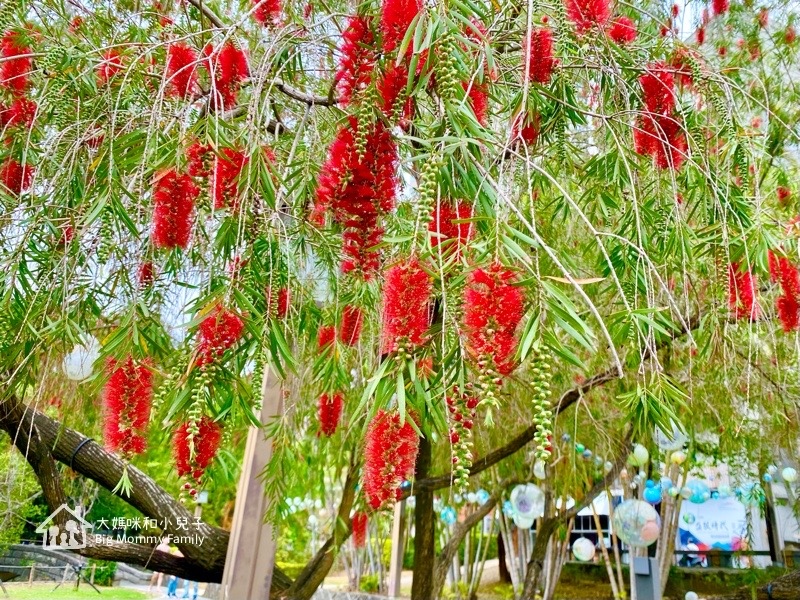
(440, 225)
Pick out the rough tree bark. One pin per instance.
(424, 529)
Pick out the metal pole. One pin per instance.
(251, 550)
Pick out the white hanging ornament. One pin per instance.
(583, 549)
(789, 475)
(538, 470)
(639, 457)
(670, 441)
(78, 365)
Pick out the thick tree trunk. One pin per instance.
(533, 574)
(786, 587)
(422, 587)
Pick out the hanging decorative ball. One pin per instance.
(583, 549)
(724, 491)
(691, 596)
(458, 498)
(772, 469)
(689, 518)
(666, 483)
(472, 498)
(678, 458)
(674, 491)
(608, 466)
(686, 493)
(579, 448)
(639, 456)
(652, 495)
(539, 470)
(767, 478)
(528, 504)
(587, 454)
(649, 483)
(482, 496)
(700, 492)
(673, 440)
(789, 475)
(598, 460)
(78, 365)
(448, 515)
(636, 523)
(566, 438)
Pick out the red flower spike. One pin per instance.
(658, 89)
(391, 85)
(407, 292)
(228, 68)
(15, 67)
(21, 112)
(127, 398)
(330, 412)
(493, 308)
(788, 309)
(396, 17)
(278, 306)
(267, 12)
(539, 58)
(173, 207)
(622, 31)
(227, 169)
(588, 13)
(790, 35)
(109, 67)
(206, 444)
(360, 524)
(218, 332)
(527, 130)
(390, 451)
(357, 62)
(479, 100)
(445, 231)
(763, 18)
(326, 335)
(146, 274)
(742, 293)
(350, 325)
(15, 177)
(701, 35)
(201, 159)
(784, 194)
(720, 6)
(181, 70)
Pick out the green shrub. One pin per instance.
(369, 584)
(292, 569)
(103, 573)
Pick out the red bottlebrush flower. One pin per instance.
(526, 130)
(701, 35)
(360, 523)
(539, 58)
(22, 112)
(676, 10)
(108, 67)
(588, 13)
(146, 274)
(784, 194)
(622, 30)
(181, 70)
(784, 272)
(396, 17)
(350, 325)
(326, 335)
(493, 308)
(201, 159)
(75, 24)
(391, 87)
(278, 306)
(16, 177)
(763, 18)
(227, 169)
(267, 12)
(722, 50)
(790, 35)
(658, 89)
(216, 333)
(390, 451)
(330, 412)
(720, 6)
(788, 308)
(478, 95)
(407, 292)
(15, 65)
(445, 231)
(358, 191)
(228, 68)
(173, 199)
(661, 137)
(127, 398)
(742, 293)
(193, 454)
(358, 55)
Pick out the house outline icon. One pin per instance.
(54, 537)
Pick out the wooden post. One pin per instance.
(398, 545)
(251, 550)
(91, 577)
(32, 575)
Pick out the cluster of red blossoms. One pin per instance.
(174, 196)
(326, 336)
(15, 176)
(227, 169)
(493, 308)
(658, 133)
(390, 451)
(181, 70)
(218, 332)
(350, 325)
(450, 227)
(360, 523)
(358, 190)
(127, 398)
(622, 31)
(15, 67)
(586, 14)
(109, 67)
(539, 58)
(267, 12)
(357, 60)
(396, 18)
(742, 293)
(278, 303)
(228, 69)
(193, 454)
(407, 292)
(15, 70)
(330, 412)
(787, 305)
